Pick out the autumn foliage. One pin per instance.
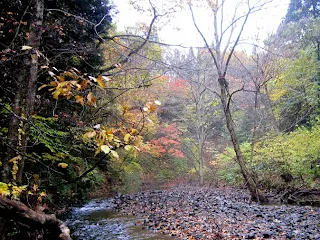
(168, 142)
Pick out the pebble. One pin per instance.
(203, 213)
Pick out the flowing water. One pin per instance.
(98, 220)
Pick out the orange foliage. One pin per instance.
(169, 143)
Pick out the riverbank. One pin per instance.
(203, 213)
(98, 220)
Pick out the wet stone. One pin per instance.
(203, 213)
(251, 235)
(267, 234)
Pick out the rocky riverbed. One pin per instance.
(203, 213)
(98, 220)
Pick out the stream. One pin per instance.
(98, 220)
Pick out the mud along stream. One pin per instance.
(98, 220)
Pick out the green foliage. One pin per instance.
(228, 170)
(4, 113)
(302, 9)
(286, 159)
(47, 131)
(131, 178)
(180, 166)
(295, 91)
(58, 148)
(296, 153)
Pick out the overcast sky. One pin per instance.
(259, 24)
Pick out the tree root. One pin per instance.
(17, 211)
(302, 197)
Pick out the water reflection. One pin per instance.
(98, 220)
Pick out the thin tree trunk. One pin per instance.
(253, 136)
(31, 62)
(239, 158)
(200, 163)
(13, 133)
(272, 115)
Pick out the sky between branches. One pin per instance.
(181, 31)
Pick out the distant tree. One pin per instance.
(226, 38)
(302, 9)
(200, 106)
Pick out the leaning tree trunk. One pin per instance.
(239, 158)
(17, 211)
(23, 106)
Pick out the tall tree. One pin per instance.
(225, 41)
(198, 118)
(302, 9)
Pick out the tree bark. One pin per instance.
(254, 129)
(24, 99)
(13, 135)
(236, 145)
(201, 163)
(17, 211)
(221, 61)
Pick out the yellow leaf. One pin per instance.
(93, 78)
(91, 100)
(26, 48)
(110, 131)
(53, 83)
(52, 74)
(15, 159)
(4, 189)
(134, 131)
(90, 134)
(110, 137)
(101, 81)
(278, 93)
(152, 107)
(106, 78)
(43, 86)
(69, 95)
(157, 102)
(127, 138)
(79, 99)
(114, 154)
(60, 78)
(105, 149)
(125, 109)
(128, 147)
(35, 187)
(84, 84)
(56, 94)
(16, 190)
(63, 165)
(98, 150)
